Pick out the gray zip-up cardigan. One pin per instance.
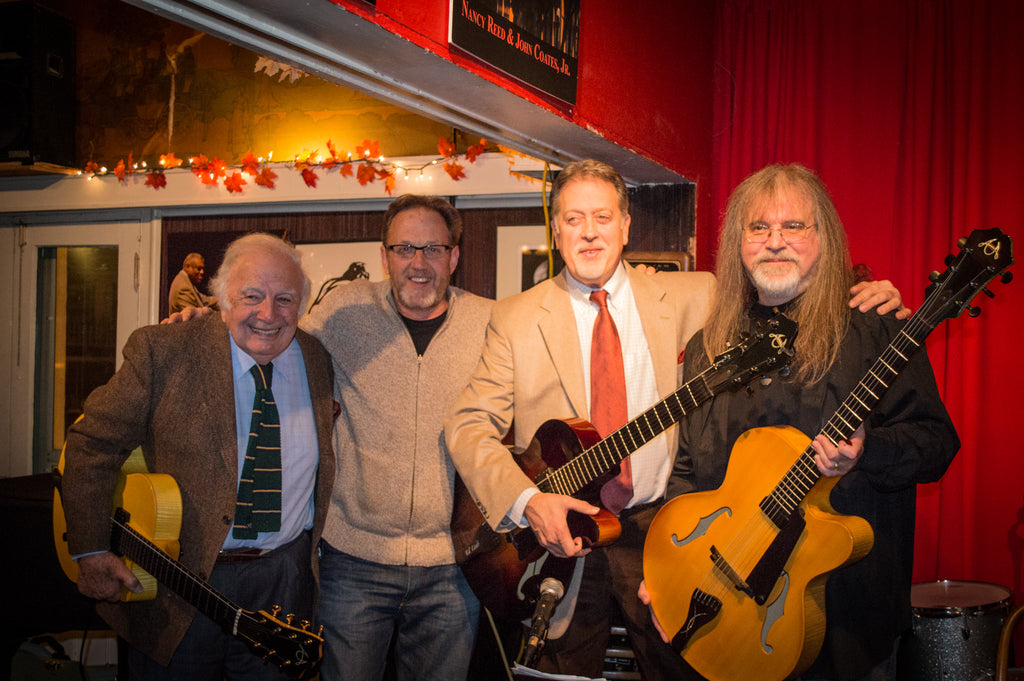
(392, 499)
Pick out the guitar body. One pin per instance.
(155, 503)
(506, 569)
(743, 639)
(145, 524)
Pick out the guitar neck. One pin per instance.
(127, 542)
(802, 476)
(592, 463)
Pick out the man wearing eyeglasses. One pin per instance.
(403, 349)
(782, 247)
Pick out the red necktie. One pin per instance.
(608, 396)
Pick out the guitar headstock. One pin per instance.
(768, 349)
(296, 651)
(984, 255)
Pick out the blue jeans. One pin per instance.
(431, 612)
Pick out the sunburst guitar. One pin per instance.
(737, 575)
(144, 530)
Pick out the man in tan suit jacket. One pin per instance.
(197, 436)
(535, 367)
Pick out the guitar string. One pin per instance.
(191, 587)
(582, 469)
(201, 595)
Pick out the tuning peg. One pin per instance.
(304, 625)
(950, 259)
(289, 617)
(988, 293)
(973, 311)
(1006, 277)
(933, 277)
(961, 242)
(274, 610)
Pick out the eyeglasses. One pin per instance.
(430, 251)
(792, 232)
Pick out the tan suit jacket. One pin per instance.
(531, 370)
(174, 396)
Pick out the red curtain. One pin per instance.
(911, 112)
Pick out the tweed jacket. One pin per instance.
(174, 396)
(393, 497)
(531, 370)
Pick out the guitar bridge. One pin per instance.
(723, 566)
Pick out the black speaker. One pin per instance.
(37, 86)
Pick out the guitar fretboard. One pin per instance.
(126, 541)
(978, 263)
(802, 476)
(612, 450)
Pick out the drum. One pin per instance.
(955, 631)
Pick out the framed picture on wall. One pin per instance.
(522, 258)
(661, 261)
(332, 264)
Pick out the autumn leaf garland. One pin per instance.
(367, 167)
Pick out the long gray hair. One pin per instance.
(822, 310)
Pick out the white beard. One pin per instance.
(776, 289)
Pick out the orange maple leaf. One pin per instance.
(476, 150)
(207, 177)
(92, 167)
(389, 183)
(305, 159)
(200, 165)
(445, 147)
(120, 172)
(234, 182)
(454, 170)
(156, 179)
(330, 148)
(368, 149)
(345, 170)
(169, 161)
(218, 167)
(309, 176)
(266, 178)
(250, 164)
(366, 173)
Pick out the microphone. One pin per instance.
(551, 591)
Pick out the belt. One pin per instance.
(228, 556)
(640, 508)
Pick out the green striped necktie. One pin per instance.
(259, 489)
